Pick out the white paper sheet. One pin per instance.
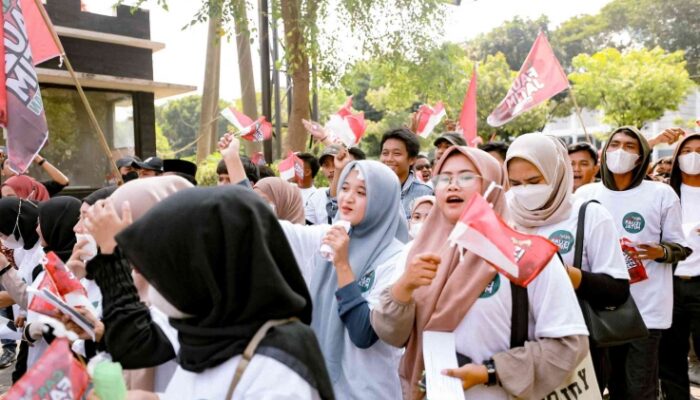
(439, 353)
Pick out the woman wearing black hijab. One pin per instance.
(57, 217)
(221, 270)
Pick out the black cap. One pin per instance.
(331, 151)
(151, 163)
(181, 166)
(127, 161)
(454, 138)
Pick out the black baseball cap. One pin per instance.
(151, 163)
(181, 166)
(454, 138)
(127, 161)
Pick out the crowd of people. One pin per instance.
(262, 288)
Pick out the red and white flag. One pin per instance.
(467, 117)
(292, 167)
(346, 127)
(253, 131)
(27, 40)
(428, 117)
(540, 78)
(518, 256)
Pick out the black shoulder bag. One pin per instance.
(611, 326)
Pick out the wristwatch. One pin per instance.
(491, 369)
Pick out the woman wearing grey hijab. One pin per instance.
(345, 284)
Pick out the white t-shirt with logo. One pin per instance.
(486, 328)
(602, 253)
(367, 373)
(690, 204)
(648, 213)
(264, 379)
(315, 208)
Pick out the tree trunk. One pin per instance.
(298, 65)
(210, 91)
(245, 73)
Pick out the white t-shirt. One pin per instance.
(367, 373)
(648, 213)
(264, 379)
(690, 204)
(315, 208)
(486, 328)
(306, 194)
(602, 253)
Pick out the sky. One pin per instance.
(182, 60)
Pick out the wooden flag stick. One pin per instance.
(91, 115)
(578, 113)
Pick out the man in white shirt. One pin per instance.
(648, 217)
(311, 168)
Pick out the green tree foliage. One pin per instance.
(631, 88)
(179, 120)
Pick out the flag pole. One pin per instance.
(91, 115)
(578, 113)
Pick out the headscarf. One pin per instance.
(26, 223)
(551, 158)
(142, 194)
(99, 194)
(379, 236)
(639, 172)
(676, 178)
(57, 217)
(420, 200)
(286, 197)
(224, 259)
(459, 282)
(27, 188)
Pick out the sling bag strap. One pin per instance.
(250, 351)
(580, 227)
(520, 314)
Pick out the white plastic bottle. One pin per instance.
(326, 250)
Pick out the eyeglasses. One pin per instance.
(463, 180)
(422, 167)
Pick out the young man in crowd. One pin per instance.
(648, 218)
(400, 147)
(424, 169)
(447, 140)
(311, 168)
(150, 167)
(584, 162)
(498, 150)
(252, 172)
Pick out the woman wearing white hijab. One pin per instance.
(345, 288)
(541, 202)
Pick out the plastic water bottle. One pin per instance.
(326, 250)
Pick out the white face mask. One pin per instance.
(532, 197)
(620, 161)
(12, 243)
(415, 229)
(158, 301)
(90, 247)
(690, 163)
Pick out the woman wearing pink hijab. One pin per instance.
(26, 188)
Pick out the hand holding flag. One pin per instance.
(346, 127)
(246, 128)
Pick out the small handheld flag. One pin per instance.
(253, 131)
(292, 167)
(346, 127)
(428, 117)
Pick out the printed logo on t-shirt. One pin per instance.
(491, 288)
(366, 281)
(563, 239)
(633, 222)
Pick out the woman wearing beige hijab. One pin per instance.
(284, 197)
(443, 290)
(120, 285)
(541, 181)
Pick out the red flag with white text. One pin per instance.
(518, 256)
(346, 126)
(292, 167)
(253, 131)
(27, 40)
(467, 117)
(540, 78)
(428, 117)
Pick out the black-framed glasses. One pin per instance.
(463, 180)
